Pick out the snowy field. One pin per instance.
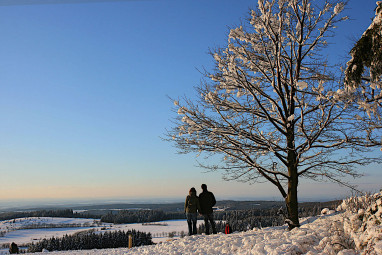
(355, 228)
(32, 229)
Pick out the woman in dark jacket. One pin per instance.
(191, 207)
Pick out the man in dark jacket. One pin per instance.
(207, 201)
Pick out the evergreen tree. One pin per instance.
(90, 240)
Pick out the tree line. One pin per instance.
(140, 216)
(64, 213)
(254, 217)
(122, 216)
(91, 240)
(243, 220)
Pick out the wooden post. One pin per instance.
(130, 241)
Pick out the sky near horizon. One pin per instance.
(84, 90)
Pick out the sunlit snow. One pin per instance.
(355, 228)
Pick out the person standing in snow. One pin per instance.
(207, 201)
(13, 249)
(191, 207)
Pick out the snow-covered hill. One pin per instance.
(355, 228)
(316, 236)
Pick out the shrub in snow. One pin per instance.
(362, 221)
(340, 240)
(354, 204)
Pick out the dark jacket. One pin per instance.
(207, 201)
(191, 205)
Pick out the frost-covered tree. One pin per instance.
(271, 108)
(364, 70)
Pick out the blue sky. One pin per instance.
(83, 97)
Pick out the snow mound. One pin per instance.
(327, 211)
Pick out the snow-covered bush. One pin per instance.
(340, 240)
(362, 221)
(354, 204)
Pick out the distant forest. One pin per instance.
(250, 214)
(141, 216)
(65, 213)
(243, 220)
(239, 220)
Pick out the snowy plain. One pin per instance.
(32, 229)
(354, 228)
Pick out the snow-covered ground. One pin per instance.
(40, 222)
(33, 229)
(355, 228)
(315, 236)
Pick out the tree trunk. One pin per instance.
(291, 198)
(292, 202)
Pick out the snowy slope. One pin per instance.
(354, 229)
(315, 237)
